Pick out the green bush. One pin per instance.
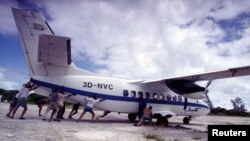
(34, 97)
(232, 112)
(7, 94)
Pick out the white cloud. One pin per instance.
(225, 90)
(229, 9)
(11, 80)
(8, 85)
(7, 25)
(5, 83)
(154, 39)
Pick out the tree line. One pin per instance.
(7, 96)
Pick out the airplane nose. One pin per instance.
(206, 108)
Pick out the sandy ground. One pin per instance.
(112, 127)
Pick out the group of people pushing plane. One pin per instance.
(56, 104)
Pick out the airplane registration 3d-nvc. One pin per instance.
(48, 58)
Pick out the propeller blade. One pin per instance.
(208, 83)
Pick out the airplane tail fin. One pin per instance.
(45, 53)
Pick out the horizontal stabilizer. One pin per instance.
(54, 50)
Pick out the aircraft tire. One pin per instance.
(186, 120)
(165, 121)
(132, 117)
(159, 118)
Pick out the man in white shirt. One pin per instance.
(89, 107)
(22, 100)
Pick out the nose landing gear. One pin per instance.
(186, 120)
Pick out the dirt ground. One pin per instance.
(112, 127)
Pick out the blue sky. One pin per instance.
(141, 39)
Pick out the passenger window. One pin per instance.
(155, 96)
(161, 97)
(147, 95)
(133, 94)
(140, 94)
(169, 97)
(179, 98)
(174, 98)
(125, 92)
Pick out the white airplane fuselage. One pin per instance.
(113, 90)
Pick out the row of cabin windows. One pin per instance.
(146, 95)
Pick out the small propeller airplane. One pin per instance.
(48, 57)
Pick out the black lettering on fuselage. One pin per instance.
(90, 85)
(87, 85)
(110, 86)
(105, 86)
(98, 85)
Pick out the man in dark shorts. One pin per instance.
(91, 101)
(74, 110)
(14, 100)
(40, 103)
(147, 115)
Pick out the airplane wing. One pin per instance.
(228, 73)
(185, 85)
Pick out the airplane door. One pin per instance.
(185, 104)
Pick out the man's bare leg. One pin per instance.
(83, 113)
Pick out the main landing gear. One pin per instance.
(161, 120)
(186, 120)
(132, 116)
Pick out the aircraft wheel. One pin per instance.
(132, 117)
(186, 120)
(159, 118)
(165, 121)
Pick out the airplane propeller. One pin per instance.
(206, 94)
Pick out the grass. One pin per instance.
(153, 136)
